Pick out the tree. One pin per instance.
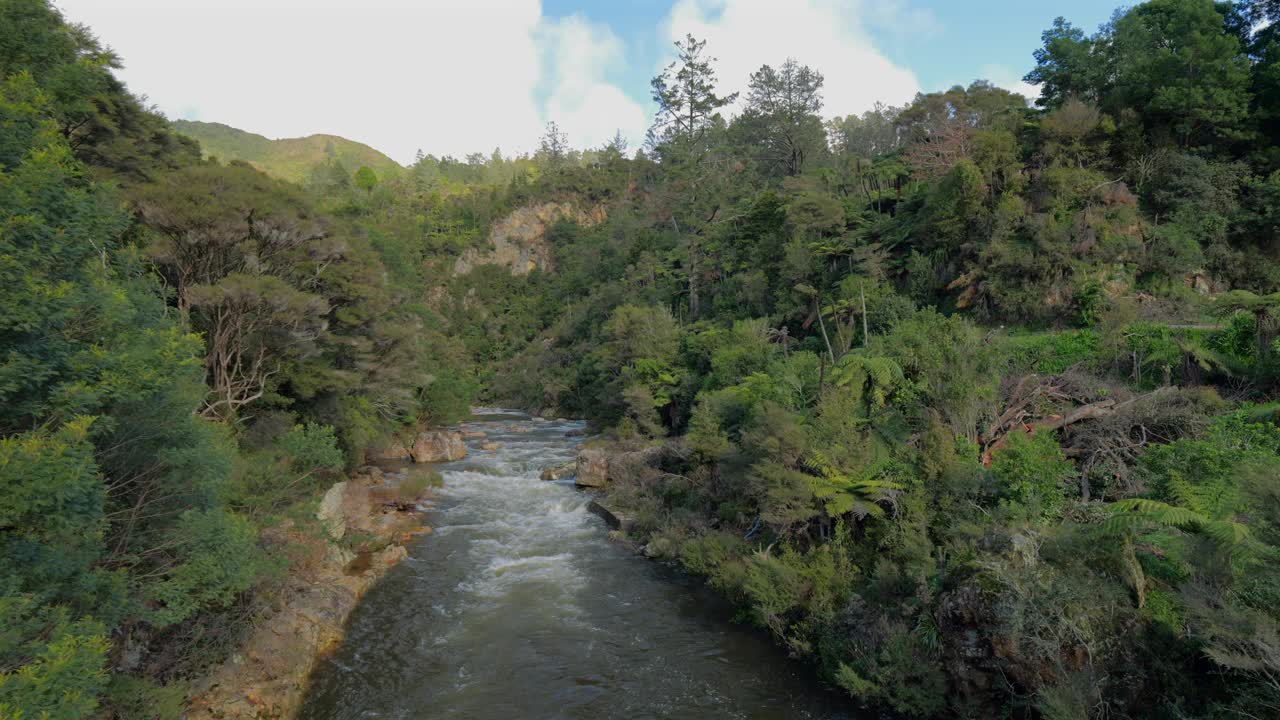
(366, 179)
(941, 129)
(210, 221)
(100, 452)
(688, 106)
(553, 148)
(1072, 133)
(1032, 471)
(1067, 66)
(105, 126)
(617, 144)
(254, 323)
(683, 137)
(866, 136)
(1175, 63)
(781, 122)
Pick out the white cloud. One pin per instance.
(830, 36)
(581, 100)
(447, 76)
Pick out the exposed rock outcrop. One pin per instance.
(438, 446)
(518, 242)
(592, 467)
(267, 676)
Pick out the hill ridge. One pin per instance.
(291, 159)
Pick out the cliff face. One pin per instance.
(267, 676)
(519, 241)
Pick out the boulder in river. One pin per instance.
(438, 446)
(491, 446)
(473, 434)
(559, 472)
(592, 467)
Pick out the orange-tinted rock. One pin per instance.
(437, 446)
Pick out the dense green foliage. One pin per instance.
(965, 402)
(186, 350)
(960, 400)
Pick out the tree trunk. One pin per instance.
(693, 280)
(866, 333)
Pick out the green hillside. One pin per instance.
(287, 158)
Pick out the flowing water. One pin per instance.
(518, 606)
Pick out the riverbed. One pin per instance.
(518, 606)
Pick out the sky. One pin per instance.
(453, 77)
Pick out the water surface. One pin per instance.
(518, 606)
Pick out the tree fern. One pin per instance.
(875, 378)
(1135, 513)
(843, 494)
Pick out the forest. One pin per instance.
(971, 404)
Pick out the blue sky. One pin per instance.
(958, 41)
(462, 76)
(972, 36)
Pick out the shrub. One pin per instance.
(1032, 471)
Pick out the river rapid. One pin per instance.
(518, 606)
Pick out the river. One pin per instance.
(519, 607)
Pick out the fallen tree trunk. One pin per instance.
(1015, 418)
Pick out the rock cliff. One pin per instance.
(364, 523)
(519, 241)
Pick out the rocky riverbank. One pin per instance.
(361, 528)
(601, 464)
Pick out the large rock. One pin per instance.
(346, 506)
(438, 447)
(330, 512)
(593, 468)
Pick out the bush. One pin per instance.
(217, 558)
(312, 448)
(1032, 471)
(897, 672)
(1052, 353)
(62, 677)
